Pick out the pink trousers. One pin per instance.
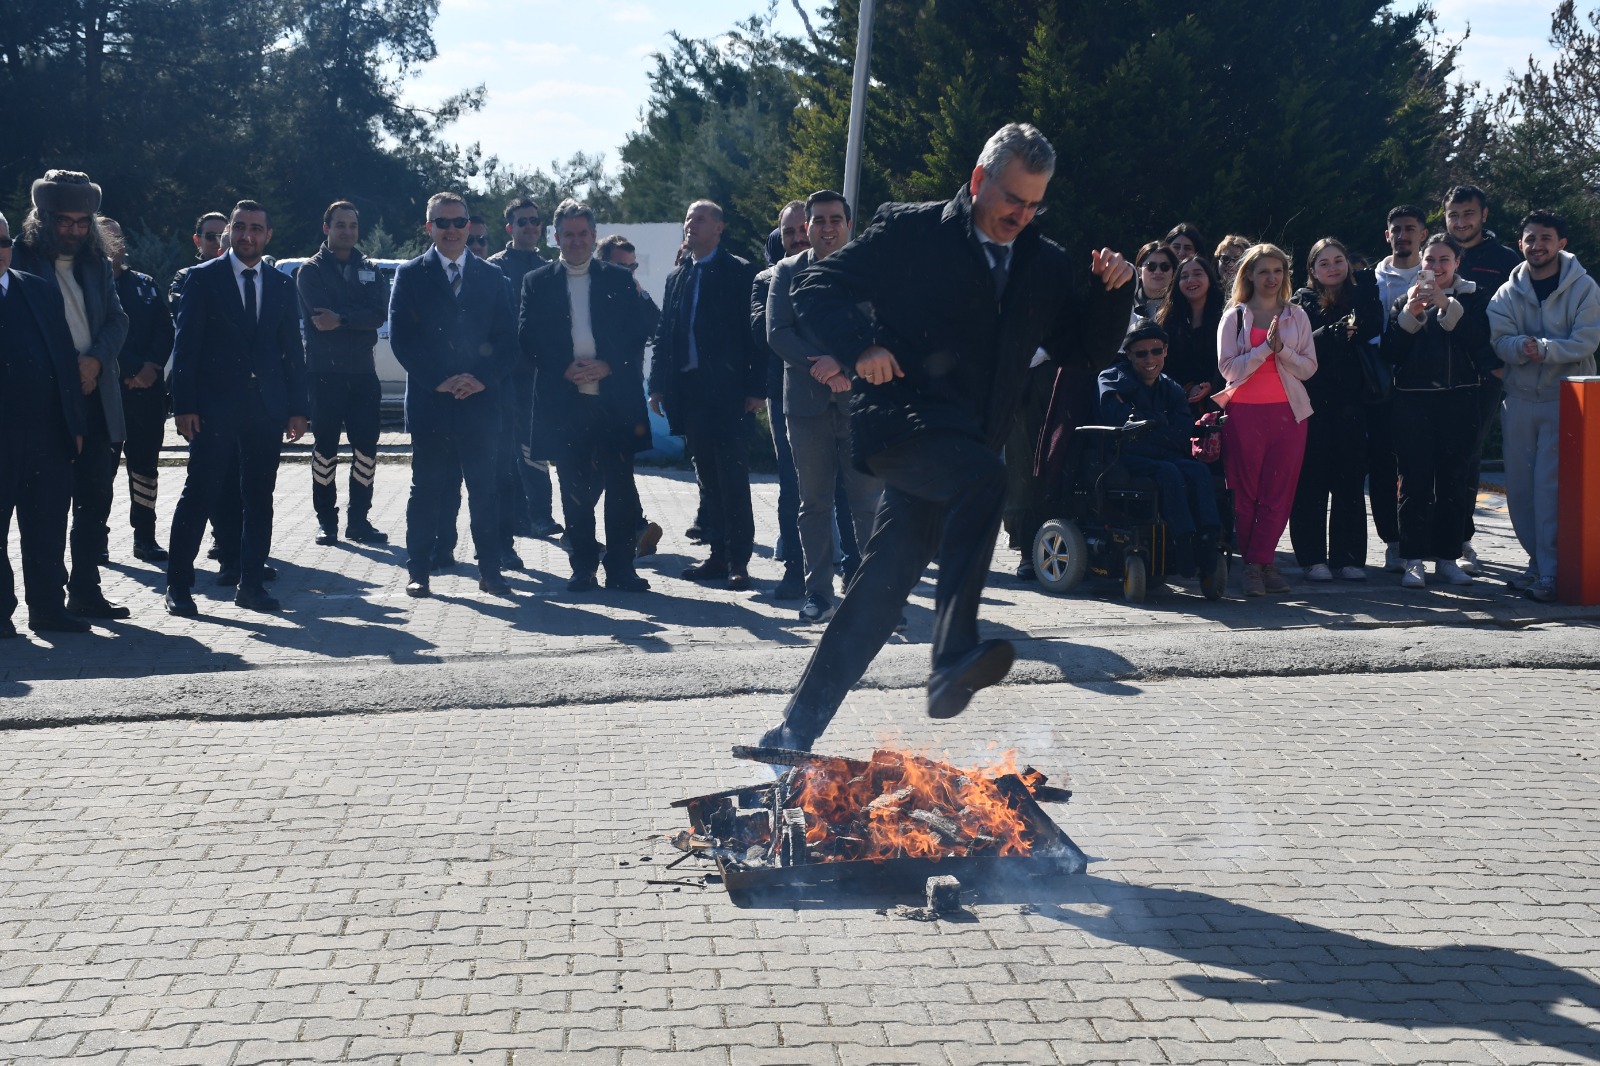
(1262, 447)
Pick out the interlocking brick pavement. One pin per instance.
(1368, 870)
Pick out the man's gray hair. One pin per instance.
(572, 209)
(4, 223)
(1024, 143)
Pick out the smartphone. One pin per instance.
(1425, 276)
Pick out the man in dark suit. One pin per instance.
(583, 328)
(238, 389)
(961, 295)
(707, 376)
(41, 430)
(451, 327)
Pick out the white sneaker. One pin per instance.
(1447, 570)
(1353, 573)
(1392, 563)
(1414, 575)
(1319, 572)
(1469, 559)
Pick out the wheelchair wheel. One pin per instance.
(1060, 555)
(1135, 577)
(1214, 584)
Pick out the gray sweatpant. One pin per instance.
(1531, 454)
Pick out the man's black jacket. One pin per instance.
(357, 291)
(620, 325)
(731, 366)
(917, 283)
(149, 325)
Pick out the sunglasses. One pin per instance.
(478, 240)
(5, 242)
(1152, 353)
(1229, 258)
(211, 237)
(630, 267)
(447, 223)
(1159, 267)
(527, 222)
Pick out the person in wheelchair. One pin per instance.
(1135, 390)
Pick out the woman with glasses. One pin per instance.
(1227, 258)
(1190, 315)
(1328, 525)
(1265, 353)
(1154, 268)
(1438, 344)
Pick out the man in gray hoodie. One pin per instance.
(1545, 326)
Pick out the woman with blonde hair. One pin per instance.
(1265, 352)
(1226, 257)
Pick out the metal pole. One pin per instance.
(858, 109)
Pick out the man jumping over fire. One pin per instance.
(962, 295)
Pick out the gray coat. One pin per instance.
(803, 395)
(108, 324)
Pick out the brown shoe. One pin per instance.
(1273, 581)
(649, 537)
(1250, 581)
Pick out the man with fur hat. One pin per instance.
(62, 242)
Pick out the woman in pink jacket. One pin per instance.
(1265, 351)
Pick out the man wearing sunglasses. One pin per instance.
(210, 240)
(452, 328)
(63, 243)
(41, 429)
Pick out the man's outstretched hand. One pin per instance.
(1109, 266)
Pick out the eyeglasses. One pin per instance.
(460, 222)
(68, 222)
(527, 222)
(211, 237)
(5, 242)
(1229, 258)
(1149, 353)
(478, 240)
(1158, 266)
(1036, 206)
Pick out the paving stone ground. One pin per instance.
(1396, 869)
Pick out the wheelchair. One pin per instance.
(1107, 522)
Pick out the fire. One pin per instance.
(904, 805)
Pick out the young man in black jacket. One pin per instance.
(962, 294)
(343, 300)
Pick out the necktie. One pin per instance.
(999, 254)
(455, 278)
(691, 304)
(250, 295)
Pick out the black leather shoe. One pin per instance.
(582, 582)
(255, 599)
(328, 536)
(268, 573)
(950, 688)
(1025, 571)
(781, 736)
(105, 557)
(710, 570)
(629, 582)
(418, 590)
(494, 585)
(366, 533)
(510, 560)
(228, 577)
(695, 535)
(181, 603)
(739, 581)
(148, 550)
(8, 629)
(791, 587)
(57, 622)
(442, 562)
(545, 528)
(96, 607)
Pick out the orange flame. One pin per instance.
(905, 805)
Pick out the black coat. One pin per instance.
(1434, 359)
(965, 355)
(620, 322)
(1339, 383)
(732, 367)
(219, 357)
(436, 336)
(149, 324)
(357, 290)
(54, 341)
(1124, 398)
(108, 323)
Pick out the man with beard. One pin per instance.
(62, 242)
(958, 297)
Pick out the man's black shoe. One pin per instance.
(494, 585)
(781, 736)
(96, 607)
(105, 557)
(510, 560)
(1025, 571)
(255, 599)
(442, 562)
(545, 528)
(328, 535)
(629, 582)
(213, 552)
(418, 589)
(365, 533)
(57, 622)
(710, 570)
(792, 586)
(228, 576)
(582, 582)
(739, 581)
(950, 688)
(148, 550)
(8, 629)
(181, 603)
(696, 535)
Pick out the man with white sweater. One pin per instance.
(583, 327)
(1545, 326)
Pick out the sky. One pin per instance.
(565, 77)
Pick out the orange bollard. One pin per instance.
(1578, 524)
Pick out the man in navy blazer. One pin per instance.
(238, 389)
(451, 327)
(41, 430)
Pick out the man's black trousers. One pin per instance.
(36, 485)
(145, 413)
(597, 465)
(94, 476)
(349, 403)
(439, 462)
(244, 453)
(943, 494)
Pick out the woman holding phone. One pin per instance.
(1265, 353)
